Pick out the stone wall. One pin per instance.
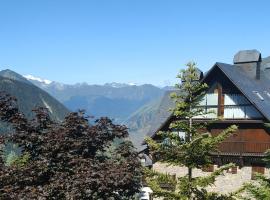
(224, 184)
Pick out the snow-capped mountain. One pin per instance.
(122, 102)
(116, 100)
(120, 85)
(33, 78)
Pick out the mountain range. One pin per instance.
(139, 107)
(129, 104)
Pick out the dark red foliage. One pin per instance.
(68, 160)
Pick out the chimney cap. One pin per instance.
(247, 56)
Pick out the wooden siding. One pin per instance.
(245, 141)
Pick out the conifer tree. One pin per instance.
(258, 189)
(192, 151)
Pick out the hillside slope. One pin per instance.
(149, 117)
(29, 96)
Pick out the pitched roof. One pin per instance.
(246, 82)
(242, 78)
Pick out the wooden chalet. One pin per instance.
(238, 94)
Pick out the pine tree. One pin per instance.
(260, 188)
(193, 151)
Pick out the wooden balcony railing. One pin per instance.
(244, 147)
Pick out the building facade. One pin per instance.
(237, 94)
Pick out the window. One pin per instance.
(256, 169)
(182, 136)
(209, 106)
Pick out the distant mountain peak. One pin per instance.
(7, 73)
(120, 85)
(132, 84)
(33, 78)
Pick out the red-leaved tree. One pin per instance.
(67, 160)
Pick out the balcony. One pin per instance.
(240, 147)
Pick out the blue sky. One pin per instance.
(141, 41)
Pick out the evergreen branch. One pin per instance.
(209, 180)
(260, 189)
(156, 181)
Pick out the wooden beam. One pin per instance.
(220, 101)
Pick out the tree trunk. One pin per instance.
(190, 179)
(190, 169)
